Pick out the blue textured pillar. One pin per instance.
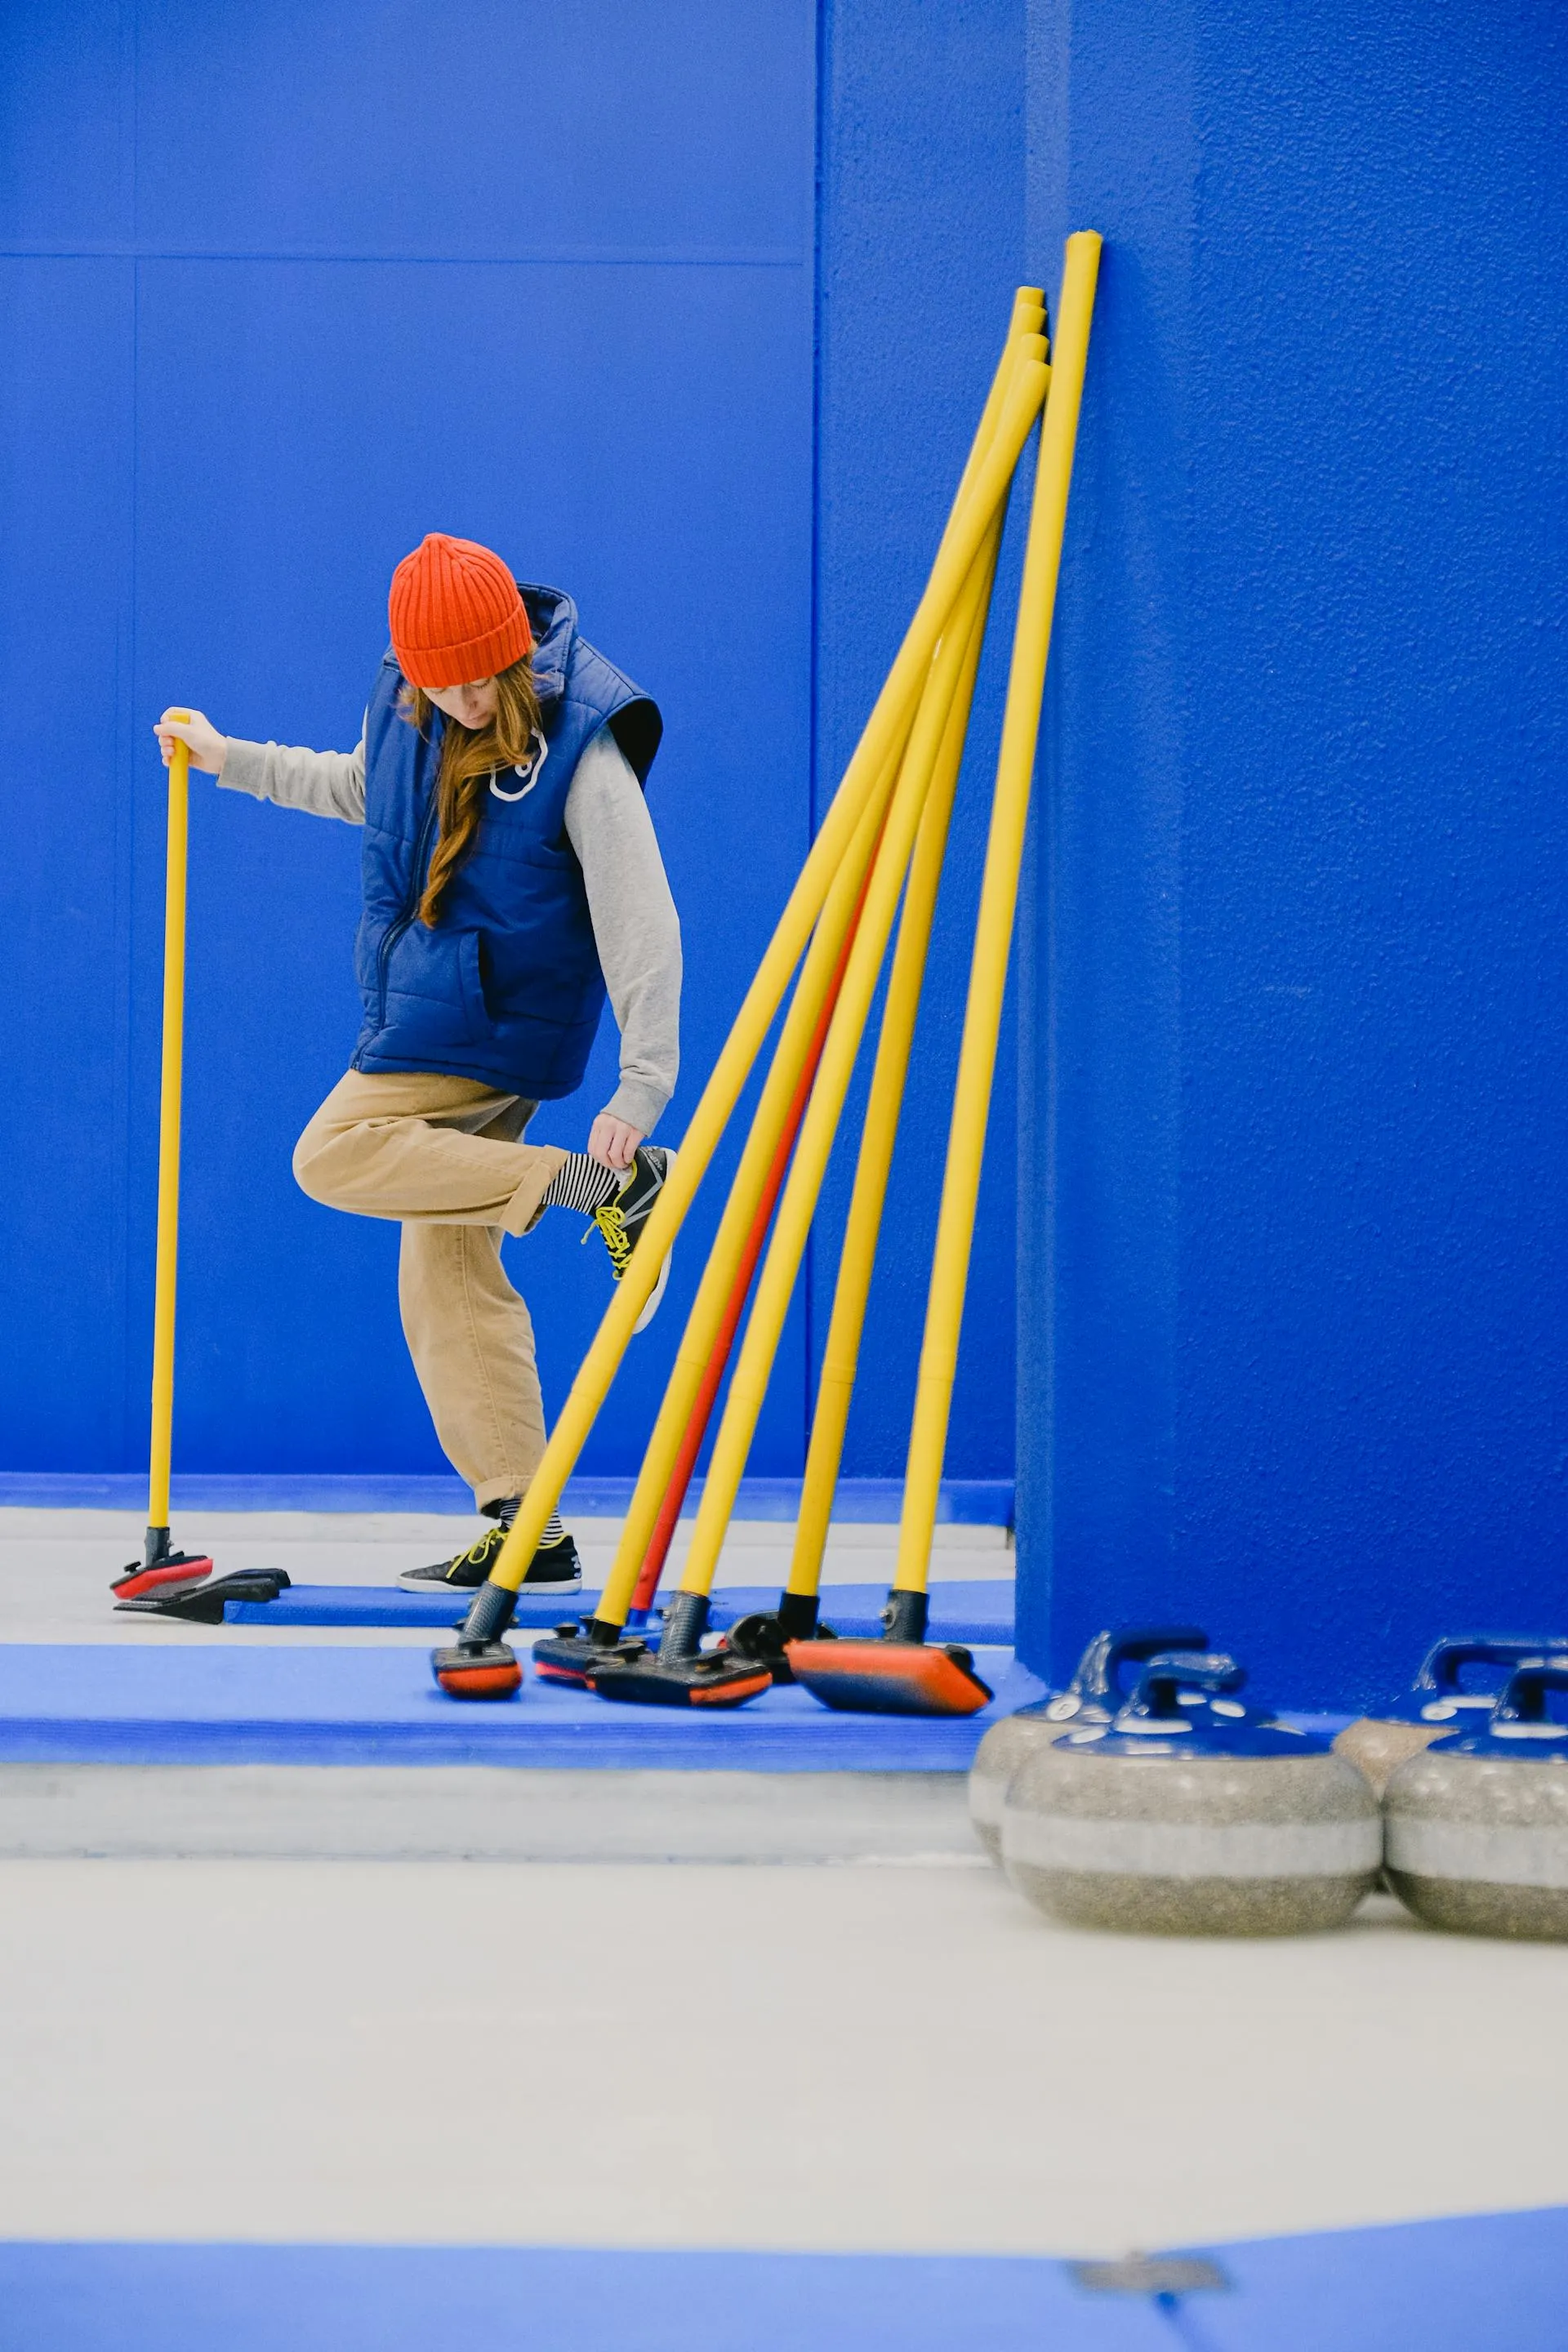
(1294, 1120)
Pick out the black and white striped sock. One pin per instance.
(554, 1532)
(581, 1184)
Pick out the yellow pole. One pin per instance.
(961, 542)
(748, 1384)
(169, 1134)
(1023, 342)
(840, 1356)
(712, 1298)
(1025, 339)
(993, 928)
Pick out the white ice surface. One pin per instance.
(860, 2057)
(881, 2057)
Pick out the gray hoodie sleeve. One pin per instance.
(635, 927)
(327, 783)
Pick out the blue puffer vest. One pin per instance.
(507, 987)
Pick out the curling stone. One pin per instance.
(1191, 1814)
(1093, 1696)
(1476, 1829)
(1454, 1692)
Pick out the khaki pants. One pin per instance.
(443, 1157)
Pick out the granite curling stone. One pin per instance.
(1093, 1696)
(1191, 1814)
(1477, 1829)
(1454, 1692)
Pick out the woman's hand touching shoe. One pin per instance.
(612, 1142)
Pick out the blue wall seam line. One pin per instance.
(137, 1436)
(126, 880)
(133, 16)
(808, 1277)
(824, 10)
(541, 258)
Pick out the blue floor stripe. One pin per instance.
(977, 1611)
(363, 2299)
(1478, 2283)
(1442, 2286)
(204, 1704)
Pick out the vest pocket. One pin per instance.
(434, 997)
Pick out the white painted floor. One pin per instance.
(863, 2057)
(56, 1566)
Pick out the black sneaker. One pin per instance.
(620, 1222)
(555, 1570)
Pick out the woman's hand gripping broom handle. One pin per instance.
(840, 1356)
(169, 1142)
(993, 928)
(711, 1326)
(962, 541)
(749, 1385)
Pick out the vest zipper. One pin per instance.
(394, 931)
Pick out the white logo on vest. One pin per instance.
(529, 767)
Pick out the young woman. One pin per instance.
(511, 876)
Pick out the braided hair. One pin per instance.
(470, 756)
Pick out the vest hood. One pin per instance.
(635, 723)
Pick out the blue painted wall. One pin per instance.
(286, 285)
(1297, 980)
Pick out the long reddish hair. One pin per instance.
(469, 758)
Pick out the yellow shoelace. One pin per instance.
(613, 1225)
(481, 1553)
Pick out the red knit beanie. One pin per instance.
(455, 613)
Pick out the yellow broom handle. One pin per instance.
(712, 1301)
(709, 1306)
(840, 1356)
(1027, 322)
(169, 1135)
(993, 928)
(964, 534)
(748, 1385)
